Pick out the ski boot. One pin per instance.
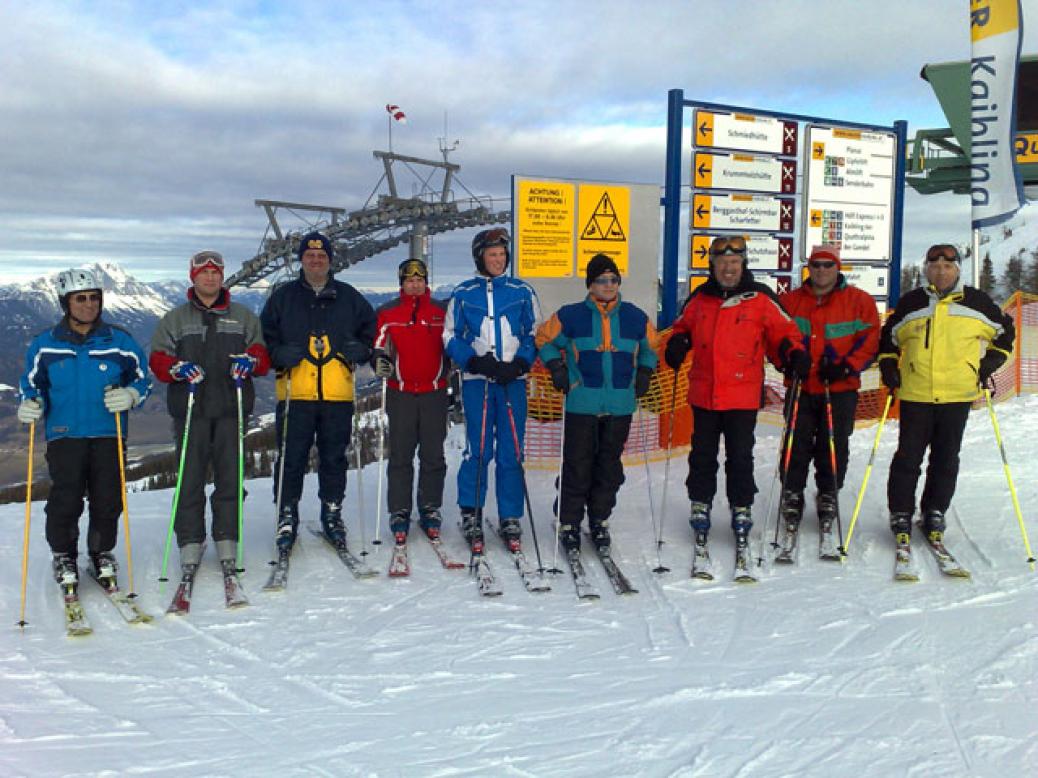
(105, 566)
(66, 572)
(901, 524)
(933, 525)
(742, 523)
(599, 531)
(399, 525)
(827, 506)
(472, 529)
(331, 523)
(288, 526)
(791, 509)
(569, 536)
(512, 532)
(700, 521)
(430, 521)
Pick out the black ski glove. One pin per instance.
(559, 375)
(287, 355)
(354, 352)
(677, 349)
(795, 361)
(989, 365)
(833, 370)
(485, 365)
(510, 371)
(642, 379)
(890, 373)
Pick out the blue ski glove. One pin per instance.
(242, 366)
(187, 371)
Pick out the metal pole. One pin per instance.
(28, 510)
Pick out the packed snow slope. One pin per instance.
(823, 669)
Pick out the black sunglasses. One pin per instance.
(88, 297)
(821, 264)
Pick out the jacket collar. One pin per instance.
(220, 304)
(714, 289)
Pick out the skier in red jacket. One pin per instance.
(409, 356)
(729, 323)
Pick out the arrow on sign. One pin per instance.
(703, 170)
(701, 251)
(701, 211)
(704, 128)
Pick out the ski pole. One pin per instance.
(656, 532)
(787, 454)
(284, 444)
(791, 395)
(865, 480)
(832, 458)
(666, 464)
(478, 500)
(1009, 478)
(555, 569)
(126, 510)
(522, 475)
(28, 511)
(241, 474)
(191, 388)
(359, 460)
(381, 460)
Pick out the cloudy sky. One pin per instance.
(140, 132)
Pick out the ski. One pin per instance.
(278, 580)
(399, 564)
(441, 554)
(76, 623)
(123, 602)
(702, 567)
(787, 553)
(904, 568)
(352, 562)
(946, 563)
(480, 569)
(533, 580)
(585, 589)
(621, 583)
(828, 548)
(743, 572)
(181, 602)
(233, 593)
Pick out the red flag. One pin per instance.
(396, 113)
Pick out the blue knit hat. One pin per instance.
(315, 240)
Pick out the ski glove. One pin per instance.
(641, 381)
(29, 411)
(354, 352)
(242, 366)
(120, 398)
(187, 371)
(486, 365)
(796, 362)
(383, 365)
(287, 355)
(677, 349)
(890, 373)
(990, 363)
(559, 375)
(831, 370)
(510, 371)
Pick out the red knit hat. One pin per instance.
(826, 251)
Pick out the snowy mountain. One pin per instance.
(820, 670)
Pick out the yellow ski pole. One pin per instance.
(1009, 478)
(865, 480)
(28, 511)
(126, 512)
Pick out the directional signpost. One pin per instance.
(763, 252)
(744, 172)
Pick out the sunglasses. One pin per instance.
(726, 247)
(943, 251)
(821, 264)
(86, 297)
(203, 258)
(603, 280)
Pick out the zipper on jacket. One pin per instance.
(926, 341)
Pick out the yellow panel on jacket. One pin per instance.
(322, 375)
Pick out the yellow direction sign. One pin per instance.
(545, 215)
(1026, 148)
(604, 223)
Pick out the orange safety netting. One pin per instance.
(664, 419)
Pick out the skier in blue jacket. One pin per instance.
(489, 332)
(78, 375)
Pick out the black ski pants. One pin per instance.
(83, 467)
(327, 423)
(737, 426)
(592, 470)
(811, 440)
(923, 425)
(210, 443)
(416, 421)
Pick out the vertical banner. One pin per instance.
(996, 31)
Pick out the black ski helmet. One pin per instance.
(485, 239)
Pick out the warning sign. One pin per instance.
(604, 219)
(545, 215)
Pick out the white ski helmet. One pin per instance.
(76, 281)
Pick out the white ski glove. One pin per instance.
(121, 398)
(30, 411)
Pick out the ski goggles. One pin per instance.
(207, 258)
(943, 251)
(495, 237)
(728, 246)
(412, 268)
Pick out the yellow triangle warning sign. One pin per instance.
(603, 223)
